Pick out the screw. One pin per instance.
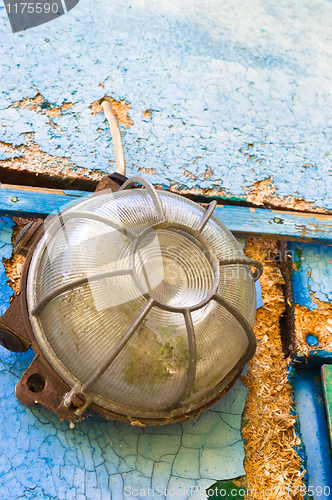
(79, 399)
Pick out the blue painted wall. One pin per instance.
(6, 249)
(239, 91)
(312, 273)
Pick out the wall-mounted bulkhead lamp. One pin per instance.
(138, 304)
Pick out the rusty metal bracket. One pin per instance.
(112, 181)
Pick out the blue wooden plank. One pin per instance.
(279, 224)
(25, 201)
(6, 250)
(310, 406)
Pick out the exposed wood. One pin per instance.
(269, 422)
(14, 265)
(287, 322)
(311, 278)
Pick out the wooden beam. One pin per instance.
(297, 226)
(283, 225)
(25, 201)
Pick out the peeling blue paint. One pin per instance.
(312, 416)
(42, 457)
(312, 340)
(259, 298)
(312, 273)
(6, 231)
(238, 87)
(4, 155)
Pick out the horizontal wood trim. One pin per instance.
(299, 226)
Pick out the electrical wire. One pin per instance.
(120, 165)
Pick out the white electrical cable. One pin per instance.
(120, 165)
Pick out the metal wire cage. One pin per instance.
(143, 302)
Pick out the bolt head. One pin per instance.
(79, 399)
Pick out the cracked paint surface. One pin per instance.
(312, 274)
(43, 457)
(312, 296)
(222, 95)
(6, 249)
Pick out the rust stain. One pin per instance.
(208, 174)
(149, 171)
(41, 106)
(263, 193)
(148, 113)
(120, 109)
(188, 174)
(37, 161)
(14, 265)
(213, 192)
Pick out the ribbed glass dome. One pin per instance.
(122, 283)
